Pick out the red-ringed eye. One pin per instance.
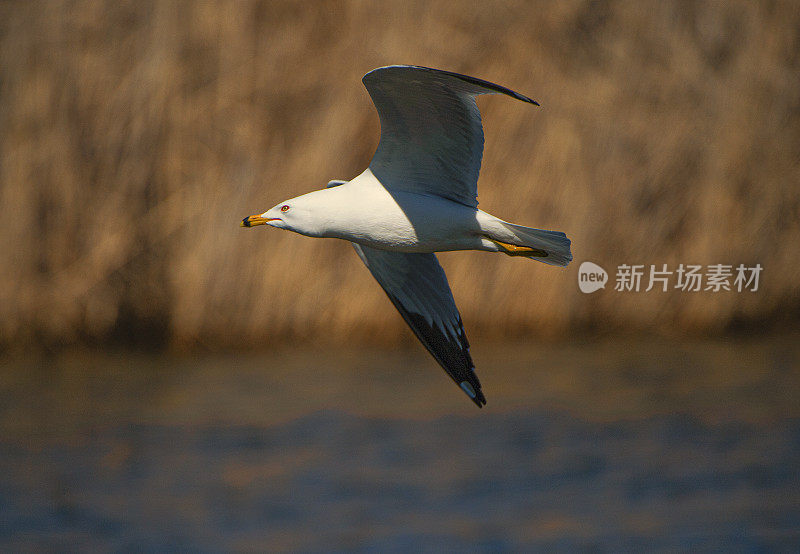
(285, 208)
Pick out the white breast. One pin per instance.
(369, 214)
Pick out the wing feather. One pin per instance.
(417, 286)
(431, 133)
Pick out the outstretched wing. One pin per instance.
(431, 133)
(417, 286)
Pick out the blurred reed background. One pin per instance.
(135, 135)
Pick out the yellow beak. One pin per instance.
(254, 220)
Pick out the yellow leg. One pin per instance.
(514, 250)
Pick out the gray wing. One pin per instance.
(431, 133)
(417, 286)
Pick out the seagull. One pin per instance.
(417, 197)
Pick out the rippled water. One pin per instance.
(607, 445)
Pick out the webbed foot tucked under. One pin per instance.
(514, 250)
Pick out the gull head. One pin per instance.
(274, 217)
(298, 214)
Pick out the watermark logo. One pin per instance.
(591, 277)
(684, 277)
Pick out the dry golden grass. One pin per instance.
(135, 135)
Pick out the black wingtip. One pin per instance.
(492, 86)
(517, 95)
(474, 392)
(524, 98)
(466, 78)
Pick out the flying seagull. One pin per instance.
(419, 196)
